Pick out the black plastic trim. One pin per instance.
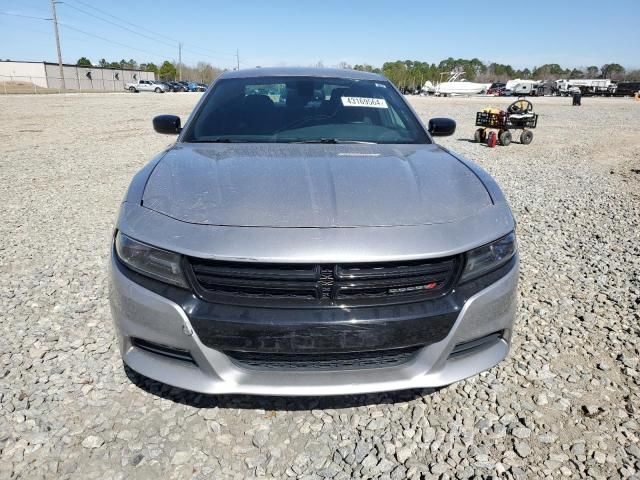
(313, 286)
(165, 351)
(471, 346)
(322, 362)
(269, 329)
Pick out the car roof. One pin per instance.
(302, 72)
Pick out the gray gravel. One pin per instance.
(564, 404)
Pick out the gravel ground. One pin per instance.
(564, 404)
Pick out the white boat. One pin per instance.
(455, 85)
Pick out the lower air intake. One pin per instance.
(170, 352)
(466, 348)
(323, 362)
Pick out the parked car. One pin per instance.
(185, 85)
(181, 86)
(171, 86)
(498, 92)
(145, 86)
(196, 87)
(290, 245)
(496, 88)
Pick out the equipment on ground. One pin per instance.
(518, 116)
(577, 97)
(492, 140)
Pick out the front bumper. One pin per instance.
(140, 313)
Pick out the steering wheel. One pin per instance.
(520, 106)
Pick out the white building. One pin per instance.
(47, 75)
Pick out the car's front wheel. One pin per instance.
(158, 90)
(132, 89)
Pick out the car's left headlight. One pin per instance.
(489, 257)
(150, 261)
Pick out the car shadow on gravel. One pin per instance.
(280, 403)
(471, 140)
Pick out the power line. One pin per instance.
(24, 16)
(196, 51)
(190, 48)
(216, 52)
(124, 21)
(27, 29)
(65, 25)
(208, 52)
(119, 26)
(112, 41)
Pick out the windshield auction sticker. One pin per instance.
(364, 102)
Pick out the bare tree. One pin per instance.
(592, 71)
(202, 72)
(632, 76)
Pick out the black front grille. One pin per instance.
(356, 283)
(323, 362)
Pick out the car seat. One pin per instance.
(259, 115)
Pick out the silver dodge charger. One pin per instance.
(304, 235)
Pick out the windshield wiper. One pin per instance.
(333, 140)
(217, 140)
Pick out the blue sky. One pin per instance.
(289, 32)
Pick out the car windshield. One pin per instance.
(306, 110)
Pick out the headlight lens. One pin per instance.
(483, 259)
(150, 261)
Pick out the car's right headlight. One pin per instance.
(150, 261)
(489, 257)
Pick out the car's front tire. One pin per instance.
(133, 89)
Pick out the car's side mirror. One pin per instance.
(442, 127)
(168, 124)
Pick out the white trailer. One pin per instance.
(520, 87)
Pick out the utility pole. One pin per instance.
(238, 58)
(180, 61)
(55, 27)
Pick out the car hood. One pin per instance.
(313, 185)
